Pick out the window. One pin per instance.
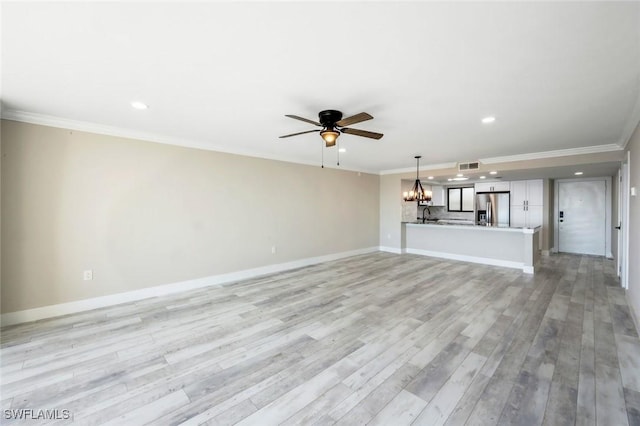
(460, 199)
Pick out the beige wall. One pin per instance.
(390, 211)
(142, 214)
(634, 223)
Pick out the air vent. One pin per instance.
(463, 167)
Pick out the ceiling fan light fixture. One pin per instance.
(330, 135)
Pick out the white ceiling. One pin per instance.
(221, 75)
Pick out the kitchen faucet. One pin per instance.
(423, 210)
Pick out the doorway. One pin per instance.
(582, 216)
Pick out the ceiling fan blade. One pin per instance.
(299, 133)
(363, 116)
(358, 132)
(303, 119)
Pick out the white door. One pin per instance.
(582, 217)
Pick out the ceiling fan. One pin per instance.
(333, 124)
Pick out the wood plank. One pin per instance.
(376, 338)
(403, 409)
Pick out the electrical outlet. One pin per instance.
(88, 275)
(273, 249)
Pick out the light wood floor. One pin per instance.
(377, 339)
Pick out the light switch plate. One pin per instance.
(633, 191)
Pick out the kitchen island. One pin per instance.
(489, 245)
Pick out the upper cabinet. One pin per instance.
(526, 192)
(492, 186)
(437, 195)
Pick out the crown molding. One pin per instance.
(519, 157)
(84, 126)
(422, 168)
(550, 154)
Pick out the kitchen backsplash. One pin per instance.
(411, 211)
(441, 212)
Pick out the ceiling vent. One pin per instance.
(465, 167)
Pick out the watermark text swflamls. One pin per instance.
(31, 414)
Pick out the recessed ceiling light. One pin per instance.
(139, 105)
(430, 177)
(488, 120)
(342, 150)
(493, 172)
(483, 177)
(459, 175)
(577, 173)
(449, 179)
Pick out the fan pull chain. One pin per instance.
(322, 150)
(338, 152)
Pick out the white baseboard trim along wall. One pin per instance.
(391, 249)
(51, 311)
(474, 259)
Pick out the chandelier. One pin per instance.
(417, 193)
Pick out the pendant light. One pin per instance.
(417, 193)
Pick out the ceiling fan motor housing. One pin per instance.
(329, 117)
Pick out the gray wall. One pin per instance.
(142, 214)
(634, 224)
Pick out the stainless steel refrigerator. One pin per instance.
(492, 208)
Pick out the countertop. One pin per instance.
(450, 224)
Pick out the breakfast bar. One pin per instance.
(490, 245)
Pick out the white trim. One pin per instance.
(391, 249)
(473, 259)
(546, 252)
(83, 126)
(50, 311)
(625, 223)
(422, 168)
(550, 154)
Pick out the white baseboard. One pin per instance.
(473, 259)
(545, 252)
(391, 249)
(51, 311)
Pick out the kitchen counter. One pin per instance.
(490, 245)
(471, 225)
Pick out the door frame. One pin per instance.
(623, 214)
(607, 202)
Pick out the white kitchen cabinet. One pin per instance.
(526, 192)
(492, 186)
(527, 203)
(437, 195)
